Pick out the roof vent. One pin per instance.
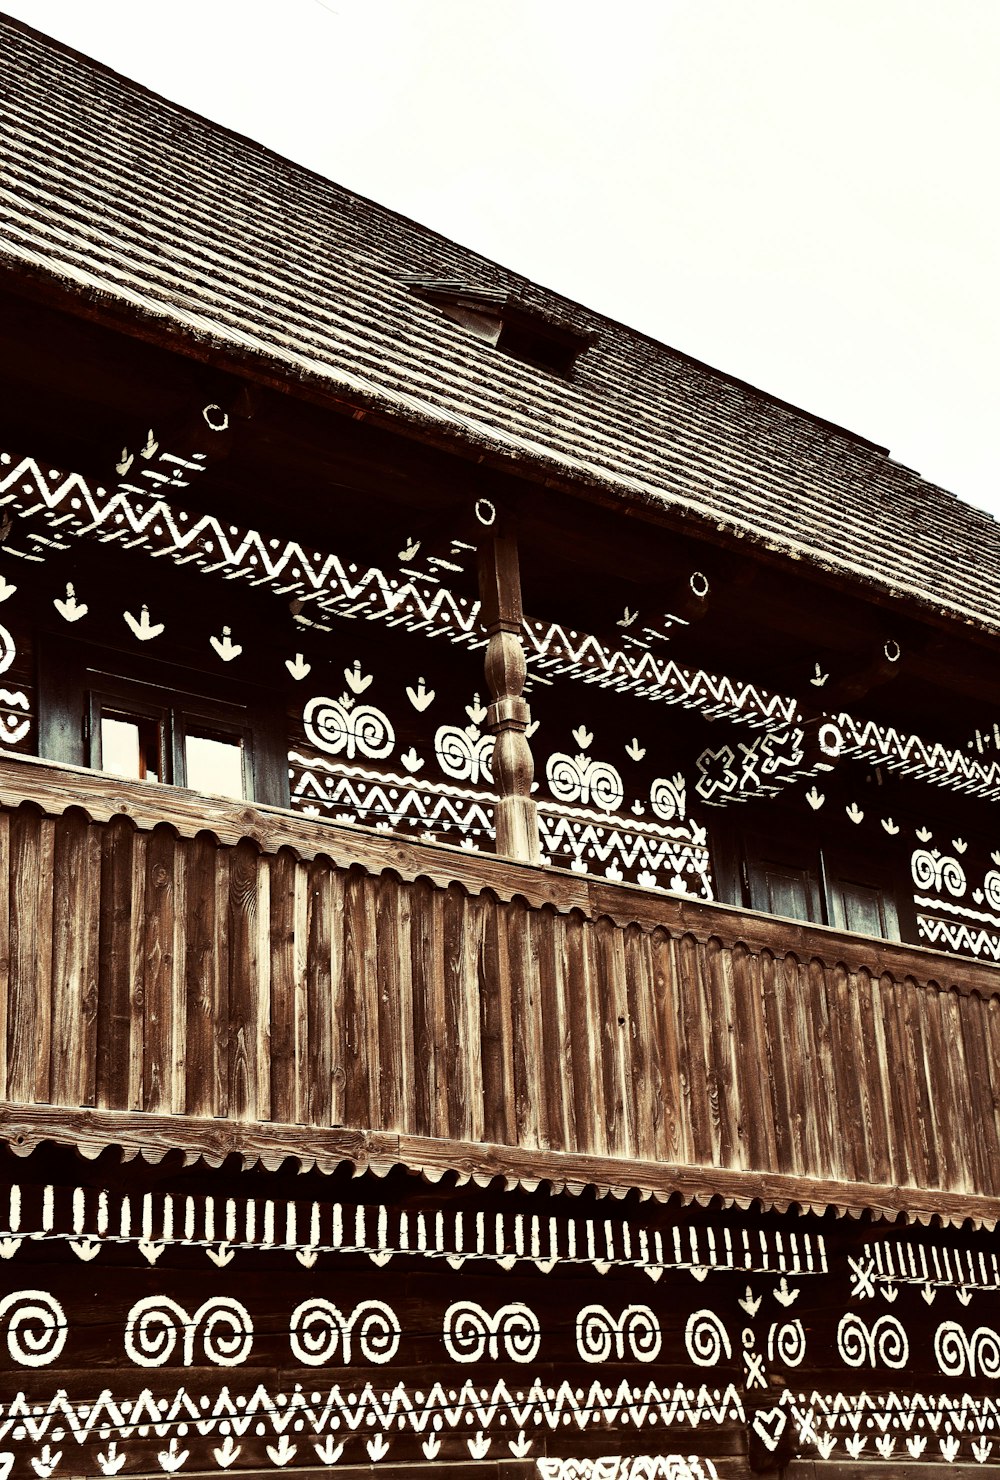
(491, 314)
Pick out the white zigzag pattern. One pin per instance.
(954, 936)
(928, 761)
(344, 1411)
(373, 803)
(825, 1411)
(137, 519)
(553, 649)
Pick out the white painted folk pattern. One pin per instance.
(471, 1333)
(35, 1325)
(628, 1467)
(634, 1335)
(88, 1216)
(320, 1333)
(345, 1410)
(156, 1323)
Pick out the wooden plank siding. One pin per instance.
(258, 968)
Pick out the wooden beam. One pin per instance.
(508, 714)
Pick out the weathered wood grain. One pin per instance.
(182, 979)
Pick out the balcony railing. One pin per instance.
(186, 972)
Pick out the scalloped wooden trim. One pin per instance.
(27, 1127)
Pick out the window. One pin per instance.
(136, 730)
(154, 722)
(802, 881)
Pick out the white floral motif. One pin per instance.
(464, 755)
(959, 1352)
(471, 1333)
(155, 1323)
(634, 1334)
(318, 1331)
(931, 870)
(339, 730)
(584, 780)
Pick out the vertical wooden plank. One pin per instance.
(22, 992)
(778, 1050)
(555, 1061)
(695, 1051)
(874, 1102)
(674, 1140)
(615, 1038)
(971, 1023)
(646, 1077)
(249, 987)
(157, 978)
(135, 967)
(72, 933)
(821, 1082)
(716, 1007)
(753, 1086)
(87, 1071)
(531, 1127)
(6, 945)
(320, 1056)
(991, 1030)
(495, 1032)
(362, 1062)
(115, 964)
(589, 1108)
(29, 1026)
(902, 1105)
(842, 1088)
(404, 986)
(920, 1150)
(43, 926)
(283, 869)
(386, 1027)
(205, 1001)
(793, 1028)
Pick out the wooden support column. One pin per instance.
(508, 714)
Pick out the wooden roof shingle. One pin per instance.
(121, 194)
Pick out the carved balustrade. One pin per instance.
(184, 972)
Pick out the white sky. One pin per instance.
(801, 192)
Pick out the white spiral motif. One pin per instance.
(958, 1353)
(635, 1333)
(786, 1342)
(36, 1326)
(597, 1334)
(991, 888)
(226, 1331)
(462, 756)
(156, 1323)
(378, 1331)
(641, 1331)
(470, 1332)
(580, 779)
(930, 871)
(318, 1330)
(8, 650)
(705, 1338)
(667, 797)
(363, 730)
(885, 1342)
(151, 1333)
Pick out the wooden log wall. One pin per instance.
(325, 977)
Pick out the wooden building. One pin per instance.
(499, 863)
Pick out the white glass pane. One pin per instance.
(214, 765)
(120, 747)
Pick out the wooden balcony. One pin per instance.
(180, 972)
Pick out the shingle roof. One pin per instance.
(114, 190)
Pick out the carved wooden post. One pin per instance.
(508, 716)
